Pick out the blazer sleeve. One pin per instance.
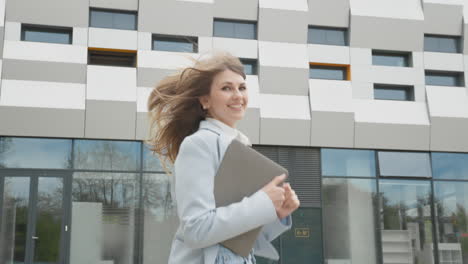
(201, 223)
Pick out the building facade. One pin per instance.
(363, 101)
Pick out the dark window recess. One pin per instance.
(328, 36)
(444, 78)
(250, 66)
(303, 165)
(112, 58)
(389, 58)
(50, 34)
(116, 19)
(438, 43)
(393, 92)
(327, 72)
(175, 43)
(234, 29)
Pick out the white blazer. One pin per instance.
(202, 225)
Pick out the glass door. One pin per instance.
(34, 220)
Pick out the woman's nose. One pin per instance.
(237, 93)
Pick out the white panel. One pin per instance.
(205, 44)
(2, 12)
(328, 54)
(243, 48)
(144, 41)
(418, 59)
(13, 31)
(363, 90)
(112, 38)
(43, 94)
(165, 60)
(284, 106)
(443, 61)
(299, 5)
(401, 9)
(198, 1)
(391, 112)
(80, 36)
(253, 90)
(447, 2)
(447, 101)
(279, 54)
(111, 83)
(142, 98)
(25, 50)
(360, 56)
(330, 95)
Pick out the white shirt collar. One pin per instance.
(230, 131)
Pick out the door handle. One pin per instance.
(35, 237)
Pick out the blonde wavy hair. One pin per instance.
(174, 109)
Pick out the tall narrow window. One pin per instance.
(111, 57)
(391, 58)
(328, 72)
(328, 36)
(250, 66)
(234, 29)
(393, 92)
(444, 78)
(439, 43)
(175, 43)
(51, 34)
(117, 19)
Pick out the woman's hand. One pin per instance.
(275, 192)
(290, 204)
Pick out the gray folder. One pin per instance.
(242, 172)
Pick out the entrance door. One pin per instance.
(34, 220)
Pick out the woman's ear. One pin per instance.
(205, 102)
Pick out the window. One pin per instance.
(175, 43)
(61, 35)
(393, 92)
(250, 66)
(348, 162)
(404, 164)
(111, 58)
(104, 18)
(450, 165)
(234, 29)
(328, 72)
(444, 78)
(390, 58)
(328, 36)
(438, 43)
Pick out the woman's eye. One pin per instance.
(225, 88)
(242, 88)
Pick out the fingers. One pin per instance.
(279, 179)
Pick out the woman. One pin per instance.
(193, 119)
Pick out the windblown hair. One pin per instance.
(174, 109)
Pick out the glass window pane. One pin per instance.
(409, 164)
(442, 44)
(223, 29)
(348, 162)
(13, 231)
(107, 155)
(327, 36)
(448, 45)
(450, 165)
(124, 21)
(104, 212)
(35, 153)
(390, 60)
(160, 218)
(389, 93)
(101, 19)
(317, 36)
(443, 79)
(250, 66)
(151, 161)
(47, 35)
(336, 37)
(234, 29)
(329, 73)
(303, 242)
(113, 19)
(244, 30)
(406, 221)
(431, 43)
(349, 207)
(451, 203)
(175, 44)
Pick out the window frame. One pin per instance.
(407, 57)
(48, 29)
(108, 52)
(459, 46)
(409, 91)
(235, 21)
(343, 29)
(174, 38)
(113, 11)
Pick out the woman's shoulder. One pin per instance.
(202, 138)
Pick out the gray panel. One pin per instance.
(115, 4)
(250, 125)
(110, 119)
(449, 134)
(332, 129)
(284, 132)
(281, 80)
(270, 28)
(452, 22)
(176, 17)
(141, 125)
(41, 122)
(319, 13)
(44, 71)
(391, 136)
(239, 9)
(2, 39)
(149, 77)
(71, 13)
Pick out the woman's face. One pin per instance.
(228, 98)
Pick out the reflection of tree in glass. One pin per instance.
(105, 155)
(5, 149)
(157, 198)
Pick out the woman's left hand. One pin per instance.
(290, 204)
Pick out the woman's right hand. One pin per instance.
(275, 192)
